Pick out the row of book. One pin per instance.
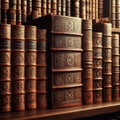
(114, 13)
(22, 67)
(58, 61)
(23, 11)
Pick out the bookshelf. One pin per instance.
(22, 13)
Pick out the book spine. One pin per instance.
(5, 65)
(97, 67)
(93, 9)
(41, 68)
(54, 7)
(11, 16)
(37, 6)
(30, 66)
(68, 8)
(24, 11)
(117, 13)
(29, 10)
(44, 7)
(48, 6)
(83, 9)
(63, 7)
(90, 9)
(64, 73)
(59, 7)
(87, 9)
(4, 8)
(107, 63)
(17, 67)
(96, 8)
(115, 67)
(87, 62)
(113, 13)
(100, 8)
(75, 8)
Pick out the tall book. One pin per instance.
(63, 7)
(44, 7)
(17, 67)
(54, 7)
(37, 6)
(117, 7)
(48, 6)
(97, 67)
(68, 8)
(24, 11)
(59, 3)
(5, 67)
(115, 67)
(41, 68)
(30, 66)
(64, 84)
(100, 8)
(107, 62)
(4, 8)
(75, 8)
(83, 9)
(87, 62)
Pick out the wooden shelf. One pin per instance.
(63, 113)
(116, 30)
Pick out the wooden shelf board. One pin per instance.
(63, 113)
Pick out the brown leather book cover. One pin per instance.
(64, 65)
(41, 68)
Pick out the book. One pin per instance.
(17, 68)
(41, 68)
(97, 67)
(44, 7)
(24, 11)
(76, 8)
(5, 67)
(100, 8)
(68, 8)
(59, 4)
(83, 9)
(37, 6)
(64, 65)
(30, 66)
(48, 6)
(87, 62)
(115, 67)
(63, 7)
(54, 7)
(107, 62)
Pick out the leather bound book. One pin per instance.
(83, 9)
(68, 8)
(37, 6)
(17, 67)
(97, 67)
(63, 7)
(59, 7)
(44, 7)
(87, 62)
(115, 67)
(75, 8)
(54, 7)
(64, 86)
(49, 6)
(41, 68)
(30, 66)
(5, 67)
